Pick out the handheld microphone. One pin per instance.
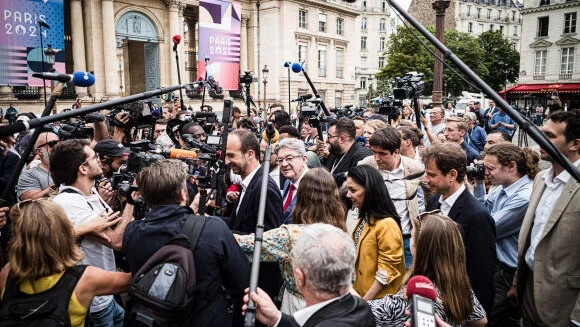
(270, 134)
(43, 23)
(422, 293)
(360, 140)
(302, 98)
(82, 79)
(177, 154)
(176, 41)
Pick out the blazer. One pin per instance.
(287, 219)
(348, 160)
(346, 311)
(379, 247)
(246, 219)
(556, 264)
(478, 229)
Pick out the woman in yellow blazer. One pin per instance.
(380, 263)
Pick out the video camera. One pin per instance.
(389, 107)
(409, 86)
(139, 115)
(247, 78)
(346, 111)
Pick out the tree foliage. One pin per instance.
(405, 53)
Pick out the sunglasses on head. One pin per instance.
(51, 144)
(427, 213)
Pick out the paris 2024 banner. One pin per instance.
(220, 24)
(20, 44)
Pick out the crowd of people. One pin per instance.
(349, 219)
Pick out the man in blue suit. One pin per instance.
(292, 161)
(445, 170)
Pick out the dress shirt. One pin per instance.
(508, 207)
(295, 187)
(398, 192)
(245, 183)
(504, 118)
(554, 187)
(447, 204)
(275, 174)
(302, 316)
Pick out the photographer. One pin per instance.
(513, 170)
(219, 261)
(75, 166)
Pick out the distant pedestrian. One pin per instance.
(539, 115)
(11, 114)
(78, 104)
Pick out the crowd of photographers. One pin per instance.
(454, 200)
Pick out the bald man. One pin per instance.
(36, 182)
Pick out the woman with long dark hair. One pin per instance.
(380, 263)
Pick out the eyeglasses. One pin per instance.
(287, 159)
(427, 213)
(51, 144)
(331, 136)
(96, 157)
(21, 204)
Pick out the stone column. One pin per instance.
(110, 50)
(244, 44)
(78, 42)
(192, 51)
(440, 6)
(175, 7)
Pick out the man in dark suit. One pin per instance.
(445, 169)
(489, 112)
(242, 154)
(343, 153)
(292, 163)
(324, 277)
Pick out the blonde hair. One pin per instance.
(376, 124)
(440, 256)
(44, 242)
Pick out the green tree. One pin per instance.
(501, 60)
(466, 48)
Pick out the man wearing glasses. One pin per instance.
(292, 163)
(36, 183)
(75, 167)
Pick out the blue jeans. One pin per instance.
(111, 316)
(408, 255)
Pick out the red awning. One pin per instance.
(544, 88)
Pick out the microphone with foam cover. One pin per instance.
(177, 154)
(360, 140)
(421, 285)
(422, 293)
(176, 41)
(82, 79)
(296, 67)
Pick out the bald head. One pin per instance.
(44, 139)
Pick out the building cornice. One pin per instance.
(540, 44)
(567, 40)
(334, 7)
(543, 9)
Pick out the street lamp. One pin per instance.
(50, 54)
(265, 72)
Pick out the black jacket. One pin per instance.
(350, 159)
(219, 261)
(347, 311)
(246, 219)
(478, 228)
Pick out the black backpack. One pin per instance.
(46, 309)
(162, 291)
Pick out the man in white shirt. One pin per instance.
(547, 281)
(323, 267)
(75, 166)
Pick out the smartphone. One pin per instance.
(423, 311)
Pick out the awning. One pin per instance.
(544, 88)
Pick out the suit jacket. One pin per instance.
(346, 311)
(348, 160)
(287, 219)
(478, 229)
(556, 264)
(379, 247)
(246, 219)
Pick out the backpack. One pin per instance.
(46, 309)
(162, 291)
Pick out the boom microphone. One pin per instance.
(42, 23)
(302, 98)
(176, 41)
(177, 154)
(82, 79)
(273, 134)
(193, 142)
(296, 67)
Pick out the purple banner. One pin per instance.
(20, 33)
(219, 40)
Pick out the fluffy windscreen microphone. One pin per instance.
(275, 138)
(176, 41)
(421, 285)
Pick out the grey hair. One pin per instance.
(471, 116)
(292, 143)
(326, 254)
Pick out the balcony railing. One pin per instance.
(565, 76)
(539, 77)
(26, 92)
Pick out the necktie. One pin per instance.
(289, 198)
